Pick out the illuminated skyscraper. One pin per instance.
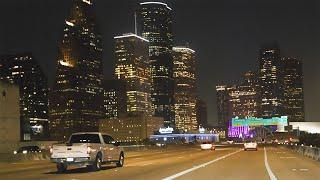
(114, 98)
(270, 81)
(240, 101)
(184, 73)
(293, 89)
(133, 67)
(222, 96)
(202, 113)
(244, 98)
(76, 99)
(156, 18)
(24, 71)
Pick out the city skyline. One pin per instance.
(221, 60)
(162, 89)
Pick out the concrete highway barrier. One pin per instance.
(45, 154)
(311, 152)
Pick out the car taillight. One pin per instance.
(88, 150)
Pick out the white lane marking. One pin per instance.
(147, 164)
(288, 157)
(224, 149)
(137, 165)
(304, 169)
(200, 166)
(271, 175)
(300, 169)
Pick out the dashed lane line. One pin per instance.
(200, 166)
(287, 157)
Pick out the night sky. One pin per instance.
(226, 36)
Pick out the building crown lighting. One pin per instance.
(87, 1)
(69, 23)
(183, 49)
(130, 35)
(156, 3)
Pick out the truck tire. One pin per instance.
(61, 167)
(120, 163)
(96, 164)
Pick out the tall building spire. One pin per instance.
(135, 23)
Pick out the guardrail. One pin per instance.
(311, 152)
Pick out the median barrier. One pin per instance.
(45, 154)
(311, 152)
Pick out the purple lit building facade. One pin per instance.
(238, 131)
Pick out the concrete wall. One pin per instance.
(9, 117)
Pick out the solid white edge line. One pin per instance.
(200, 166)
(271, 175)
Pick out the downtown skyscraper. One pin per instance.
(184, 73)
(270, 81)
(156, 20)
(133, 67)
(114, 98)
(23, 70)
(241, 101)
(202, 113)
(76, 98)
(244, 98)
(293, 89)
(222, 100)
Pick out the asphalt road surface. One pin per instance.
(183, 162)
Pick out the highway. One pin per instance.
(183, 162)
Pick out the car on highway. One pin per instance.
(251, 146)
(230, 142)
(27, 149)
(207, 146)
(91, 149)
(160, 144)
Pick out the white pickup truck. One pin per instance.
(91, 149)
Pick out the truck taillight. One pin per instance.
(88, 150)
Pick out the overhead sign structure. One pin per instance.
(277, 121)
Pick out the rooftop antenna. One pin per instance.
(135, 23)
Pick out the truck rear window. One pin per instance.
(85, 138)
